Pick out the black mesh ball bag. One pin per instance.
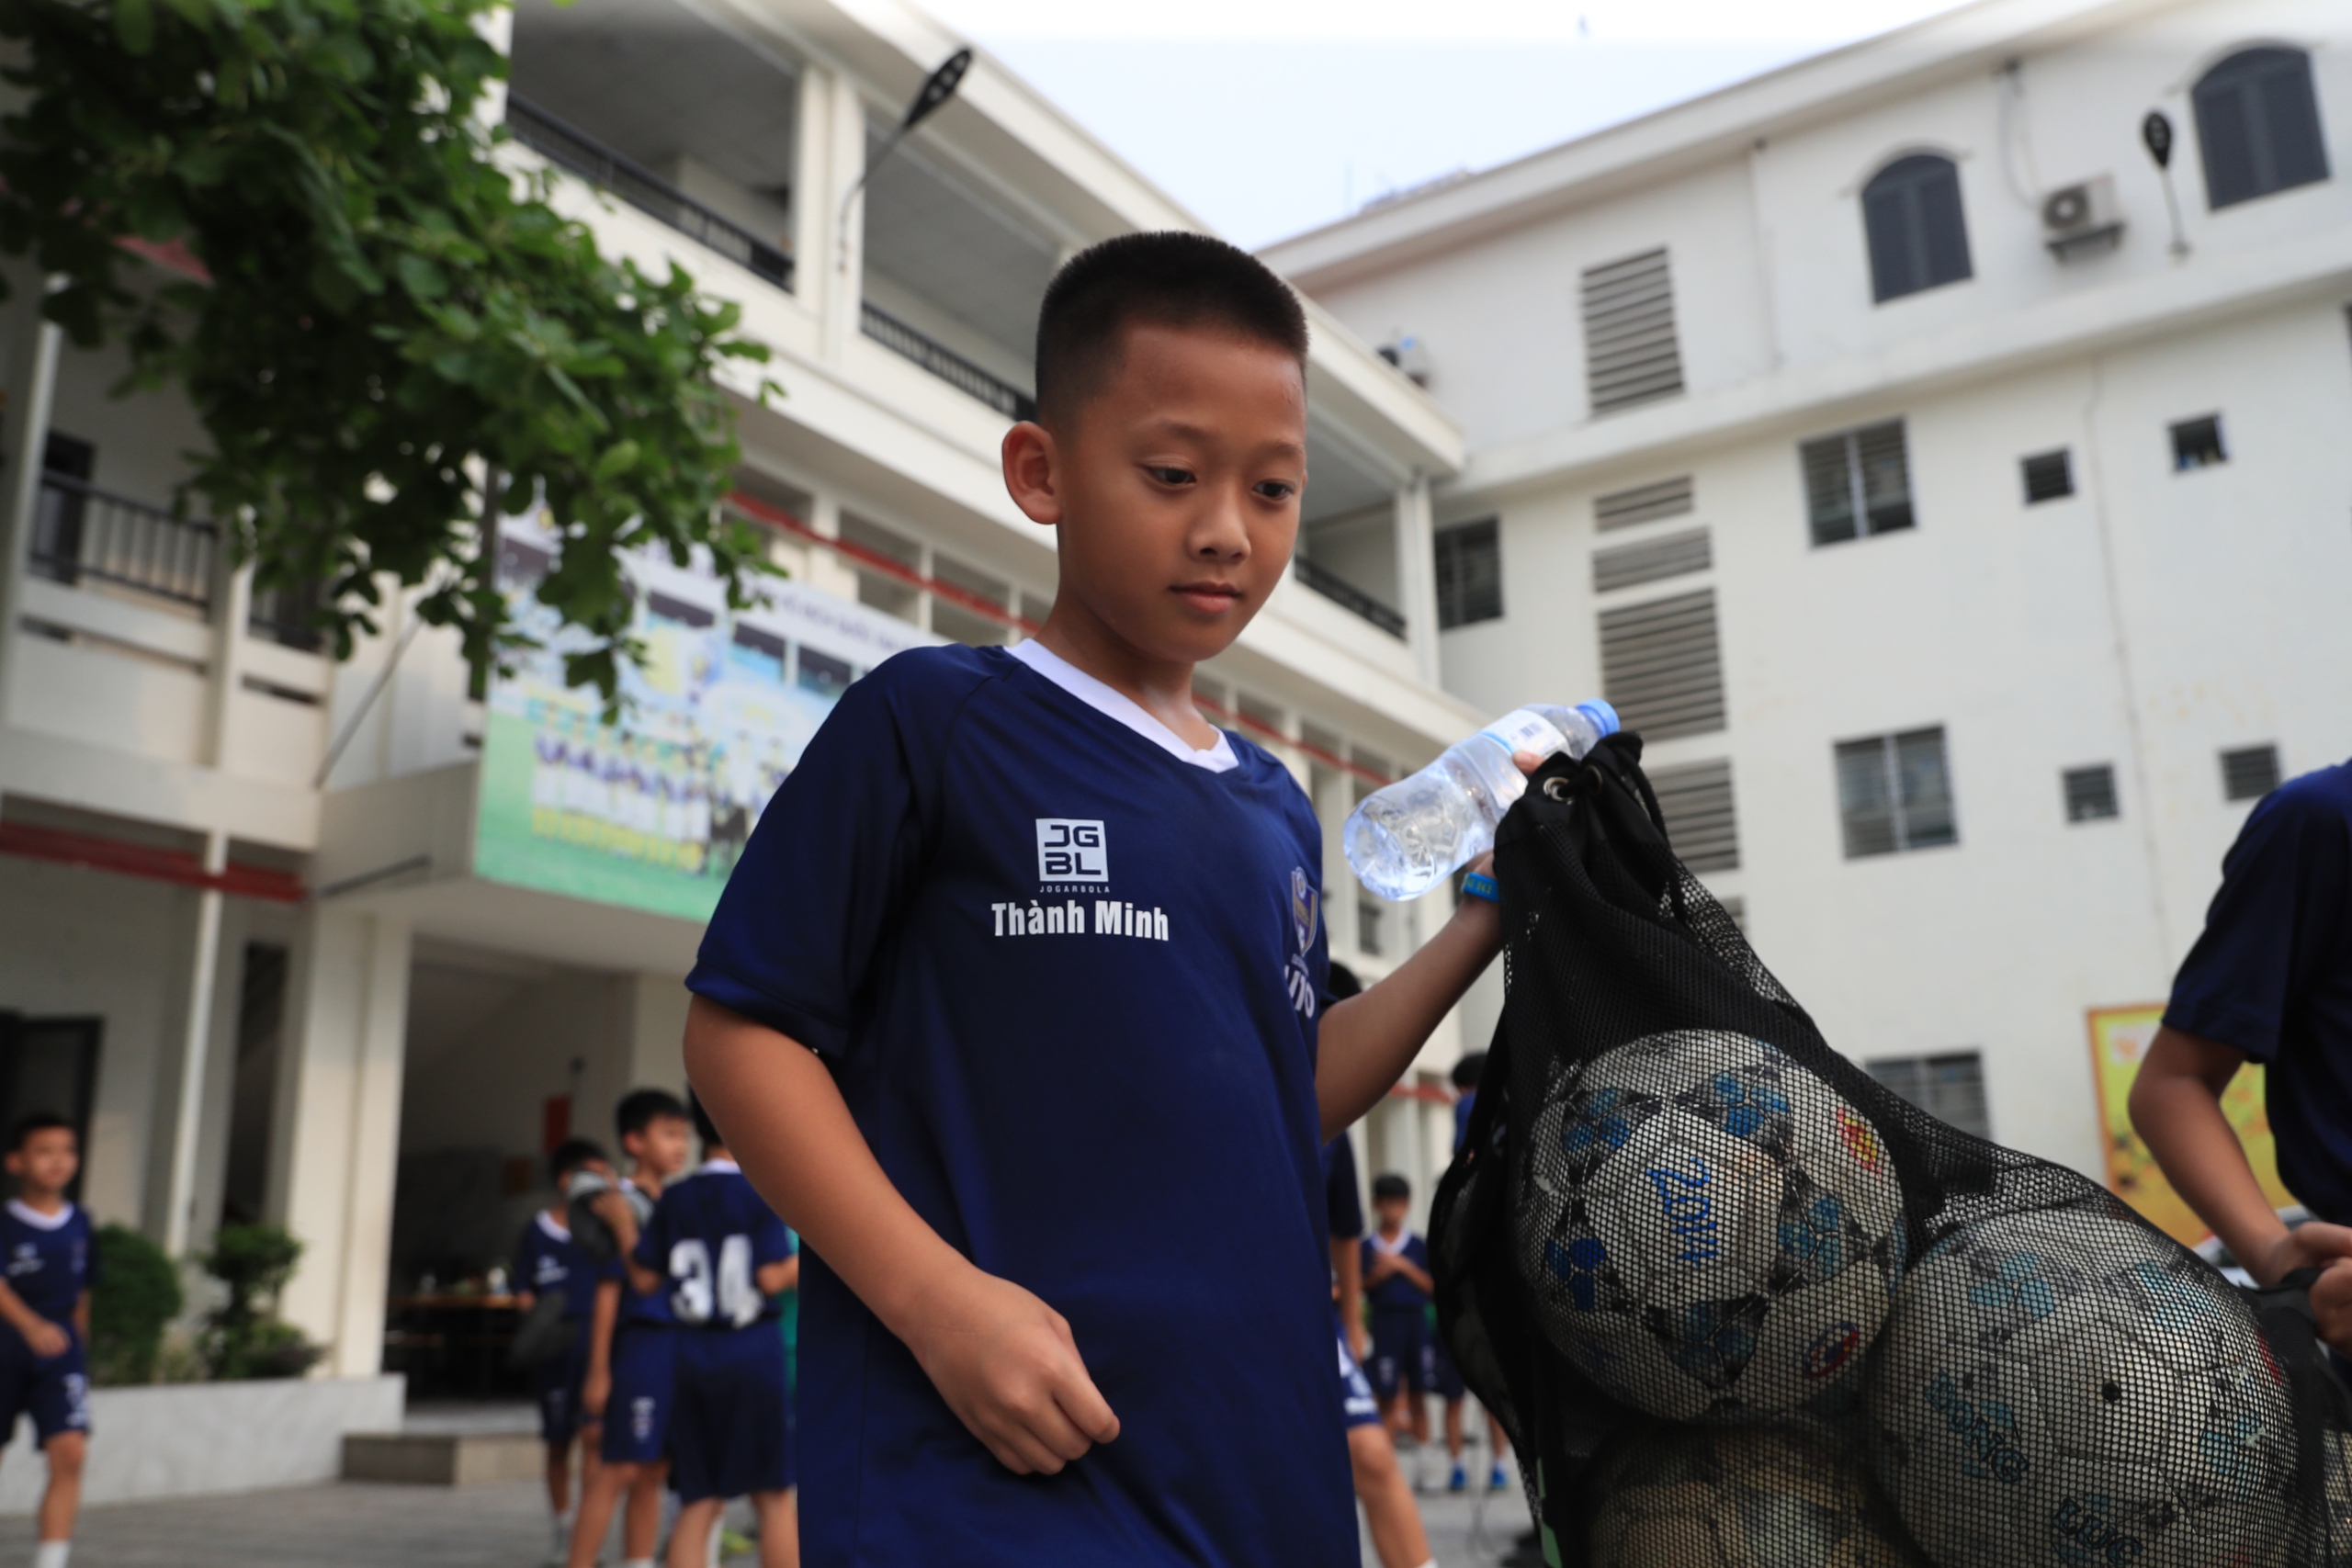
(1740, 1306)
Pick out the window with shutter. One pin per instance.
(2257, 126)
(2197, 444)
(1948, 1086)
(1661, 665)
(1913, 223)
(2049, 476)
(1644, 504)
(1696, 801)
(1469, 573)
(1630, 354)
(1857, 484)
(1629, 566)
(2091, 794)
(1894, 793)
(2249, 773)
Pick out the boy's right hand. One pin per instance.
(48, 1340)
(1007, 1365)
(595, 1389)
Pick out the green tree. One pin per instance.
(399, 338)
(137, 1296)
(244, 1337)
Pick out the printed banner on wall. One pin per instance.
(2120, 1040)
(651, 812)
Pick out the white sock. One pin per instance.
(51, 1553)
(639, 1562)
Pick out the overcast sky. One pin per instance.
(1270, 117)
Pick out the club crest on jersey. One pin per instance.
(1305, 909)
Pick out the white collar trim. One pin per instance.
(718, 1167)
(1392, 1247)
(38, 1220)
(559, 1232)
(1116, 705)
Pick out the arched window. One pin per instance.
(1918, 237)
(2257, 125)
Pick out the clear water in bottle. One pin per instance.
(1406, 839)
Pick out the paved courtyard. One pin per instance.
(369, 1524)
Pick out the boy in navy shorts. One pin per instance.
(548, 1262)
(1396, 1281)
(52, 1262)
(630, 1345)
(1014, 1006)
(720, 1253)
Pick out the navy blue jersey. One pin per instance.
(646, 1307)
(547, 1261)
(1396, 1294)
(1462, 1109)
(708, 1236)
(2272, 976)
(1343, 1204)
(1045, 960)
(52, 1257)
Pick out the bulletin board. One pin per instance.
(2120, 1038)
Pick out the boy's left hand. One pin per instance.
(2332, 1304)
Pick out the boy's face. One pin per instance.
(48, 1159)
(1175, 488)
(1390, 1212)
(662, 1148)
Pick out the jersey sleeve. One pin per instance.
(1341, 1202)
(653, 1248)
(794, 939)
(2277, 920)
(770, 1243)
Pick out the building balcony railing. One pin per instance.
(947, 364)
(575, 149)
(82, 532)
(1348, 596)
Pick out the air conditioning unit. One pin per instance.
(2082, 217)
(1406, 352)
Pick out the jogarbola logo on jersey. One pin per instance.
(1074, 856)
(1305, 905)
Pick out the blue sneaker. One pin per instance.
(1496, 1480)
(1458, 1481)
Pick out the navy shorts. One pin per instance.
(636, 1412)
(1355, 1393)
(1400, 1353)
(1445, 1378)
(556, 1382)
(729, 1429)
(54, 1392)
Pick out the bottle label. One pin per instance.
(1524, 729)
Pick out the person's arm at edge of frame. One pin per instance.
(1368, 1041)
(598, 1383)
(1004, 1360)
(2176, 1110)
(1347, 1263)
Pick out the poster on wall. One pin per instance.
(2120, 1040)
(650, 812)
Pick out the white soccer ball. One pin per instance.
(1780, 1495)
(2065, 1388)
(1710, 1229)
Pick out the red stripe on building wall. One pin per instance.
(118, 856)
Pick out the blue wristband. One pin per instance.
(1478, 884)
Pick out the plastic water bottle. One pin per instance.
(1406, 839)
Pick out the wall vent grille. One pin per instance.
(1629, 566)
(1661, 665)
(1644, 504)
(1696, 800)
(1630, 352)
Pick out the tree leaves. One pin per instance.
(402, 340)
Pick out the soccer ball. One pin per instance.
(2065, 1387)
(1710, 1231)
(1783, 1494)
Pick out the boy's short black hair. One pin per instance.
(1390, 1185)
(1170, 279)
(705, 1128)
(640, 1108)
(1466, 1071)
(36, 1122)
(570, 1155)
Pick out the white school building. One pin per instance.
(1959, 501)
(343, 946)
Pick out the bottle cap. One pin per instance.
(1603, 717)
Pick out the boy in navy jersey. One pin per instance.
(1014, 1005)
(627, 1388)
(45, 1318)
(548, 1262)
(1396, 1281)
(720, 1253)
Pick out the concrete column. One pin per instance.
(233, 599)
(654, 1052)
(30, 370)
(196, 1041)
(338, 1129)
(1334, 798)
(828, 572)
(842, 151)
(1417, 575)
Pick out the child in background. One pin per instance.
(721, 1252)
(1396, 1281)
(1445, 1377)
(52, 1261)
(547, 1261)
(630, 1353)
